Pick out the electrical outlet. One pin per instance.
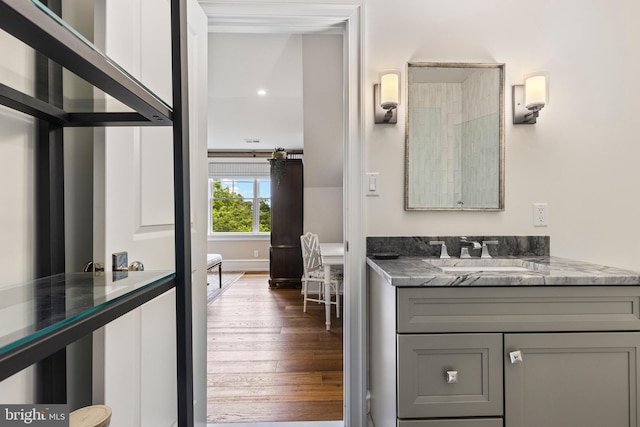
(540, 215)
(255, 253)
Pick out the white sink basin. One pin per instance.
(474, 264)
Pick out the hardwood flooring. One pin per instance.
(269, 361)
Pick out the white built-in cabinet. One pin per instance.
(503, 356)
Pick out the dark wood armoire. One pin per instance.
(285, 254)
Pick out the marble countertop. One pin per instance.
(407, 271)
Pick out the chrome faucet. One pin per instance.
(464, 251)
(443, 248)
(485, 249)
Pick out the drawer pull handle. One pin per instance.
(452, 377)
(515, 357)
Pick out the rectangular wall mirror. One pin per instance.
(454, 153)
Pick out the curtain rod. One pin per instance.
(246, 153)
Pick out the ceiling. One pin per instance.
(240, 65)
(257, 46)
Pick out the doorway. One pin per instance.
(307, 17)
(267, 359)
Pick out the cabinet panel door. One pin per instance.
(578, 379)
(423, 363)
(466, 422)
(285, 265)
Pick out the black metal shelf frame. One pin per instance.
(29, 23)
(34, 107)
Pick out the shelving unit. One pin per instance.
(90, 302)
(99, 300)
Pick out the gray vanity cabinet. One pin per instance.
(503, 356)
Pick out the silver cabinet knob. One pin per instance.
(515, 357)
(452, 377)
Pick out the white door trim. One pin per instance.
(290, 17)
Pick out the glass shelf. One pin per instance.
(86, 101)
(44, 315)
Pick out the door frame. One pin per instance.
(296, 17)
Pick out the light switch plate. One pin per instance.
(372, 184)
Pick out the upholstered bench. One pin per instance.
(213, 261)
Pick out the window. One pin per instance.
(240, 199)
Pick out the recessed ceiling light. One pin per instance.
(262, 92)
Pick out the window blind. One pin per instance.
(239, 170)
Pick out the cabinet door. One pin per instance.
(424, 361)
(576, 379)
(462, 422)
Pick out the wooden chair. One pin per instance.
(314, 273)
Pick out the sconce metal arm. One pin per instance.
(383, 115)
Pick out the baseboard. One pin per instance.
(245, 264)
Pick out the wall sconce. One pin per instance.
(530, 98)
(386, 97)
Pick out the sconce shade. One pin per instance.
(389, 89)
(535, 88)
(530, 98)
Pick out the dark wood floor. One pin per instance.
(269, 361)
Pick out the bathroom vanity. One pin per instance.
(460, 343)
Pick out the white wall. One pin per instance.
(581, 158)
(322, 68)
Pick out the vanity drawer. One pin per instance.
(423, 364)
(469, 422)
(518, 309)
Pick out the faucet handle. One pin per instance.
(443, 248)
(485, 249)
